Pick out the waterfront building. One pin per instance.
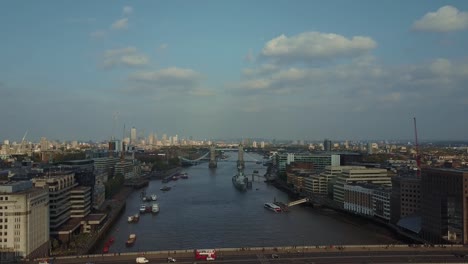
(85, 176)
(24, 221)
(319, 161)
(381, 202)
(358, 199)
(322, 184)
(405, 198)
(106, 164)
(355, 175)
(126, 168)
(367, 199)
(80, 202)
(315, 185)
(59, 186)
(444, 205)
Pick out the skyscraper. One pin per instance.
(369, 148)
(327, 145)
(133, 135)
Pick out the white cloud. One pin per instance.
(316, 45)
(98, 34)
(447, 18)
(120, 24)
(128, 56)
(127, 10)
(168, 77)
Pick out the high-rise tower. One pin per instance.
(133, 135)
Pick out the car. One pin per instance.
(141, 260)
(210, 258)
(274, 256)
(171, 259)
(44, 262)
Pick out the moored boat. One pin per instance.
(148, 209)
(184, 175)
(154, 197)
(155, 208)
(165, 188)
(131, 240)
(142, 208)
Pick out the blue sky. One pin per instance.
(231, 69)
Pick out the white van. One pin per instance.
(141, 260)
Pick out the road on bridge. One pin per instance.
(436, 256)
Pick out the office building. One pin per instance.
(319, 161)
(444, 205)
(59, 186)
(367, 199)
(358, 174)
(405, 198)
(24, 221)
(322, 184)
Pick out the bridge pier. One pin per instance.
(212, 164)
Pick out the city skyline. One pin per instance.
(209, 69)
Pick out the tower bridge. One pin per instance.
(211, 157)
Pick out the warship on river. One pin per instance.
(239, 180)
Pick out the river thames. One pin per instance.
(206, 211)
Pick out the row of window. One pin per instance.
(3, 198)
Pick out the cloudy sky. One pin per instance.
(231, 69)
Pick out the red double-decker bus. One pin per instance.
(205, 254)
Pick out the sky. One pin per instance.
(300, 70)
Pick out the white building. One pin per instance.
(24, 221)
(359, 174)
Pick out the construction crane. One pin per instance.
(418, 158)
(21, 147)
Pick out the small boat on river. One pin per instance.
(165, 188)
(131, 240)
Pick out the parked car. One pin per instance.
(171, 259)
(274, 256)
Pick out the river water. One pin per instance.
(206, 211)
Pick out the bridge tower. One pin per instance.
(213, 163)
(240, 158)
